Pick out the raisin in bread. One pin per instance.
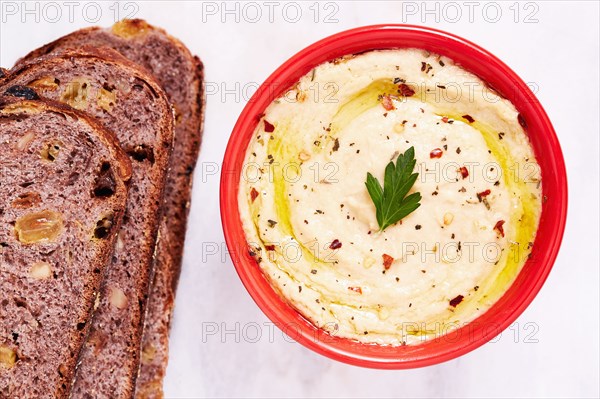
(63, 182)
(181, 75)
(128, 101)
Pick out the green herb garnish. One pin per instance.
(391, 201)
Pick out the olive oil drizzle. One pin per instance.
(523, 219)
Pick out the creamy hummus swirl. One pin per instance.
(311, 225)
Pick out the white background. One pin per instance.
(553, 348)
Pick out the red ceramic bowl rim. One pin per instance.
(529, 281)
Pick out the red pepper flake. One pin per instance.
(387, 261)
(336, 244)
(436, 153)
(358, 290)
(425, 67)
(269, 128)
(253, 194)
(406, 90)
(387, 103)
(469, 118)
(483, 194)
(464, 172)
(500, 227)
(445, 119)
(522, 121)
(454, 302)
(336, 145)
(270, 247)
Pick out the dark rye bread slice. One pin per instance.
(181, 75)
(129, 102)
(63, 183)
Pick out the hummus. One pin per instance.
(311, 224)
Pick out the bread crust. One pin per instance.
(53, 46)
(95, 363)
(18, 108)
(169, 261)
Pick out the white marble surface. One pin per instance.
(556, 354)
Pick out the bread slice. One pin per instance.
(128, 101)
(63, 181)
(181, 75)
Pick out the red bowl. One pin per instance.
(529, 281)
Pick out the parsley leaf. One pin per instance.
(391, 202)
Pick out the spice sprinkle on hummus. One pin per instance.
(317, 225)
